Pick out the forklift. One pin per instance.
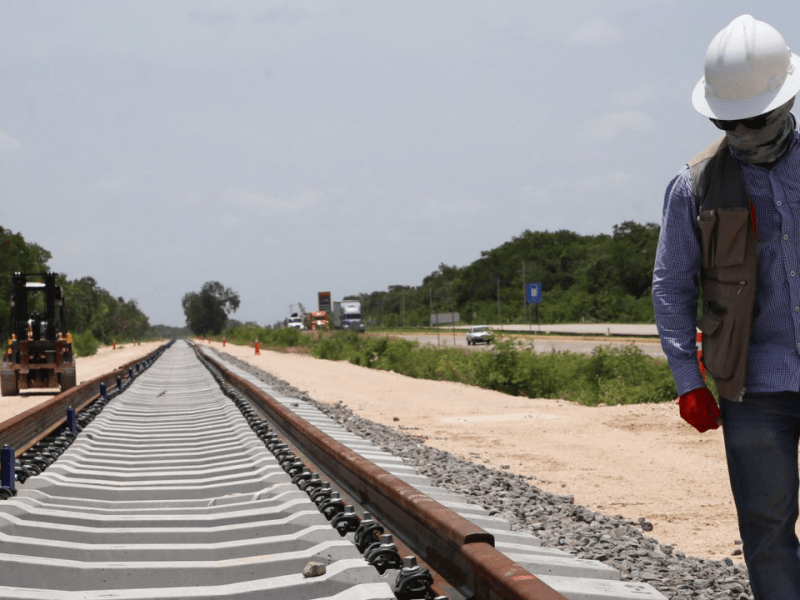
(39, 353)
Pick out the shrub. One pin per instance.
(624, 376)
(339, 345)
(609, 375)
(246, 335)
(85, 344)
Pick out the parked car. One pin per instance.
(479, 334)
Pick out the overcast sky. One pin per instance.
(284, 148)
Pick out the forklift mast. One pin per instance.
(22, 321)
(39, 353)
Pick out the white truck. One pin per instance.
(347, 315)
(295, 321)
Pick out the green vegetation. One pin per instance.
(285, 337)
(598, 278)
(207, 310)
(16, 255)
(85, 344)
(168, 331)
(92, 309)
(94, 316)
(609, 375)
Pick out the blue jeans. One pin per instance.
(761, 443)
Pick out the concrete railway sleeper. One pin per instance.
(187, 487)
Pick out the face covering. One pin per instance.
(767, 144)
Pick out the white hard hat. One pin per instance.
(749, 71)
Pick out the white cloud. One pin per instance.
(611, 126)
(613, 180)
(638, 97)
(210, 17)
(282, 14)
(237, 205)
(536, 194)
(595, 30)
(397, 236)
(262, 204)
(113, 185)
(7, 143)
(121, 183)
(434, 208)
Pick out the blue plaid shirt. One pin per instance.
(773, 363)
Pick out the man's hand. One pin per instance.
(699, 409)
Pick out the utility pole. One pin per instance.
(524, 294)
(438, 342)
(498, 303)
(453, 314)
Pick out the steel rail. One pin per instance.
(25, 430)
(460, 551)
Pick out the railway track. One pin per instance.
(196, 480)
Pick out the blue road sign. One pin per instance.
(533, 293)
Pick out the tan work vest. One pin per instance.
(728, 277)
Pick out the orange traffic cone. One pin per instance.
(223, 341)
(114, 347)
(699, 340)
(258, 350)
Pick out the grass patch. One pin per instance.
(609, 376)
(621, 375)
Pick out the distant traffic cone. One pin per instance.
(699, 340)
(223, 341)
(258, 350)
(114, 347)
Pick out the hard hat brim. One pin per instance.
(730, 110)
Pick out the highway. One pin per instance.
(579, 338)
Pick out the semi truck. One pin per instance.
(318, 319)
(347, 315)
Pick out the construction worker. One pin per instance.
(731, 220)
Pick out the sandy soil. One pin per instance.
(637, 461)
(106, 360)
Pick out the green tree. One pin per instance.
(16, 256)
(93, 310)
(633, 255)
(207, 310)
(584, 278)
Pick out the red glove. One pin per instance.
(700, 410)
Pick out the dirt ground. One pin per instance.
(637, 461)
(106, 360)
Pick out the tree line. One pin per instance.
(585, 278)
(93, 312)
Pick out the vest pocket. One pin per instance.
(721, 353)
(707, 222)
(723, 235)
(731, 237)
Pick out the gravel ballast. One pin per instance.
(555, 519)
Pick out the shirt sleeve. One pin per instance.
(675, 282)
